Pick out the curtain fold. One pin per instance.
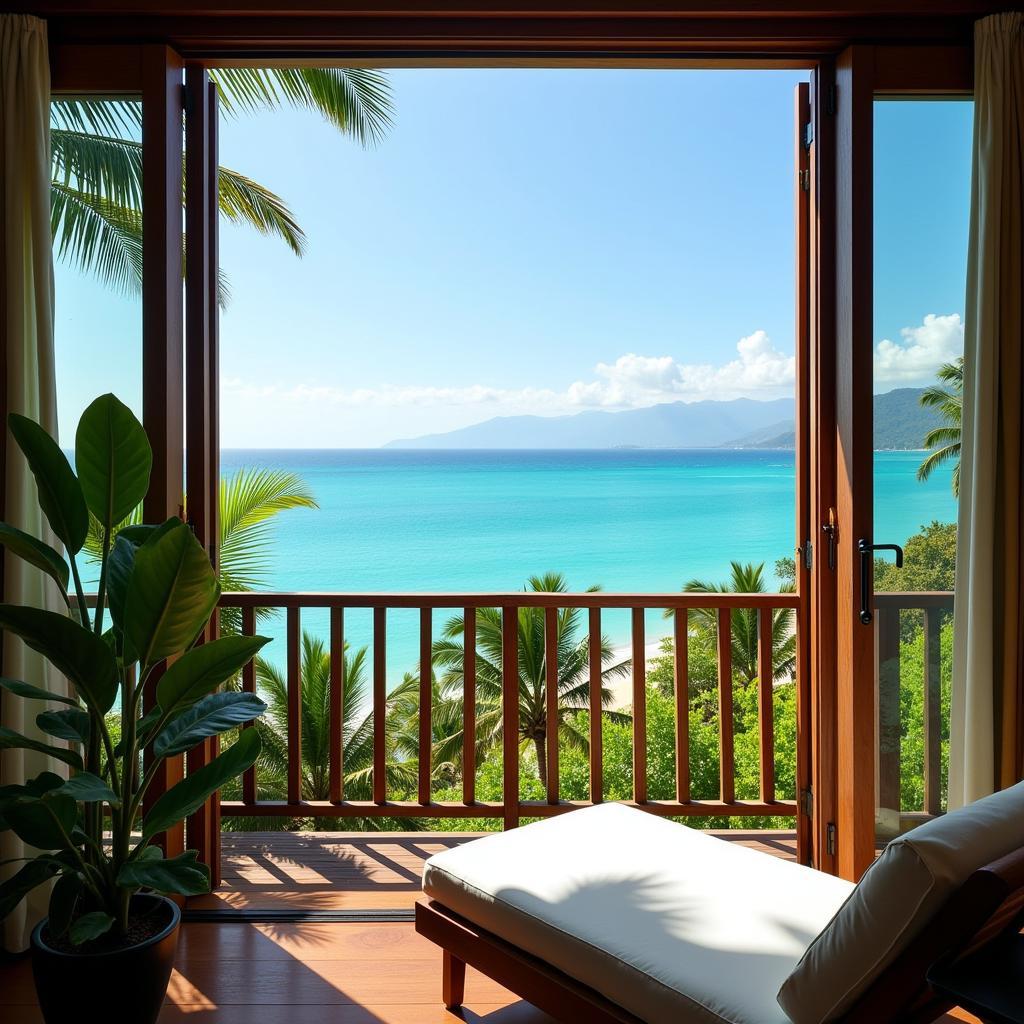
(987, 714)
(27, 372)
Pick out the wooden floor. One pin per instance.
(305, 974)
(314, 972)
(341, 871)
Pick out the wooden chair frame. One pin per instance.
(987, 907)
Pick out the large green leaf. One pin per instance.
(18, 886)
(11, 740)
(113, 458)
(30, 692)
(205, 667)
(120, 563)
(208, 717)
(90, 926)
(72, 649)
(190, 794)
(36, 553)
(63, 901)
(70, 724)
(171, 594)
(60, 494)
(44, 823)
(90, 789)
(181, 874)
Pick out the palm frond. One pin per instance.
(357, 101)
(241, 199)
(97, 235)
(117, 117)
(102, 165)
(248, 500)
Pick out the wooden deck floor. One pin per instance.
(341, 871)
(306, 974)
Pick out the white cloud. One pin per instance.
(922, 350)
(634, 381)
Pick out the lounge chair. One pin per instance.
(610, 915)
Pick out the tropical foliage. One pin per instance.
(249, 500)
(96, 177)
(159, 590)
(702, 629)
(573, 677)
(357, 738)
(948, 399)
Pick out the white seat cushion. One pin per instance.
(897, 897)
(671, 924)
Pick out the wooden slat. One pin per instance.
(469, 705)
(294, 656)
(510, 713)
(514, 599)
(765, 706)
(887, 681)
(639, 665)
(596, 718)
(380, 699)
(932, 712)
(726, 765)
(337, 706)
(249, 686)
(680, 663)
(425, 748)
(551, 700)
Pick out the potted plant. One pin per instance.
(111, 929)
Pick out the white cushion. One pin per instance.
(672, 925)
(897, 897)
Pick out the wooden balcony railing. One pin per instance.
(511, 808)
(934, 607)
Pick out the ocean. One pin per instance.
(622, 519)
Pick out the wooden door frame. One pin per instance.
(840, 758)
(863, 73)
(202, 461)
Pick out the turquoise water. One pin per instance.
(627, 520)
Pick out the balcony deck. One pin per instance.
(357, 871)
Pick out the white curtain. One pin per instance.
(988, 646)
(26, 303)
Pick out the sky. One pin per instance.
(539, 241)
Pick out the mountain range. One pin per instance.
(900, 423)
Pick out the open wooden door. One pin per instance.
(202, 443)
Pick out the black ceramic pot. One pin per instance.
(122, 987)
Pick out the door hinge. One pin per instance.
(808, 134)
(807, 802)
(830, 839)
(808, 554)
(831, 99)
(805, 180)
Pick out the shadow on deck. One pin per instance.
(357, 871)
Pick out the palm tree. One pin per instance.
(746, 579)
(96, 176)
(573, 678)
(945, 440)
(357, 737)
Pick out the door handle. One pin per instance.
(866, 549)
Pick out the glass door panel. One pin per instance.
(921, 208)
